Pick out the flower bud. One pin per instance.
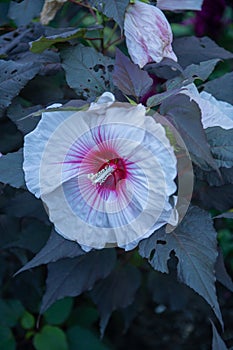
(148, 34)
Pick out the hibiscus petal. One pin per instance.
(126, 152)
(148, 34)
(213, 111)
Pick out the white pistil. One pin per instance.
(102, 175)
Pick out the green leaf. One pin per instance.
(13, 78)
(71, 277)
(59, 312)
(50, 338)
(195, 246)
(11, 169)
(83, 339)
(85, 316)
(116, 291)
(27, 321)
(10, 310)
(87, 71)
(7, 340)
(45, 42)
(112, 8)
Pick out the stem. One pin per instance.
(109, 40)
(114, 42)
(86, 6)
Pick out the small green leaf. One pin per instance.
(10, 311)
(85, 316)
(7, 341)
(83, 339)
(27, 320)
(59, 312)
(50, 338)
(44, 43)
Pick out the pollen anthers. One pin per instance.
(101, 176)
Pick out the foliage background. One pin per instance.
(148, 309)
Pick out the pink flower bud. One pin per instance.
(148, 34)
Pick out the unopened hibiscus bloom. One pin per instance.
(148, 34)
(105, 174)
(213, 112)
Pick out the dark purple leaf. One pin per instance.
(192, 72)
(10, 230)
(228, 215)
(129, 78)
(201, 70)
(112, 8)
(214, 197)
(18, 115)
(192, 50)
(10, 138)
(88, 72)
(221, 87)
(130, 312)
(221, 145)
(17, 41)
(213, 179)
(71, 277)
(11, 169)
(55, 249)
(32, 237)
(4, 7)
(186, 116)
(13, 78)
(221, 272)
(166, 69)
(116, 291)
(166, 290)
(194, 244)
(159, 98)
(217, 342)
(22, 13)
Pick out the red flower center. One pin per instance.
(109, 174)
